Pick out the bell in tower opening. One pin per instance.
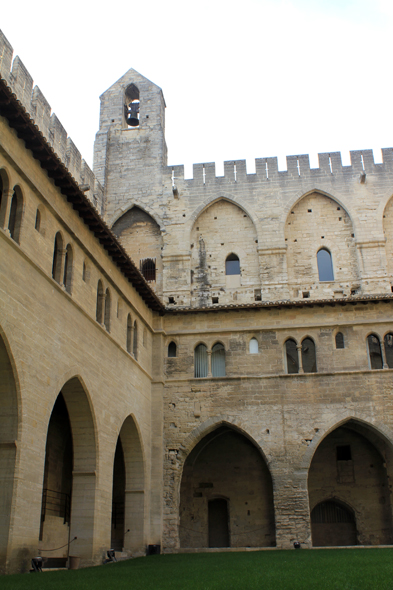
(133, 113)
(131, 106)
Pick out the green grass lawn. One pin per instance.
(334, 569)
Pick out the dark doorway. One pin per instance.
(333, 525)
(118, 499)
(218, 523)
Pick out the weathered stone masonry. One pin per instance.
(176, 368)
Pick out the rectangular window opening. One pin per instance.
(344, 453)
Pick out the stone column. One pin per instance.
(299, 357)
(209, 363)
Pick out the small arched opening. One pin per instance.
(388, 344)
(339, 339)
(232, 265)
(135, 341)
(333, 524)
(129, 334)
(107, 311)
(172, 350)
(100, 302)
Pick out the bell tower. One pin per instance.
(130, 150)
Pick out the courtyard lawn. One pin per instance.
(324, 569)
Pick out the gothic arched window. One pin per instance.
(200, 361)
(309, 360)
(172, 349)
(292, 356)
(232, 265)
(325, 265)
(340, 340)
(388, 343)
(374, 352)
(218, 360)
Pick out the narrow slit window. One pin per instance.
(135, 342)
(57, 254)
(107, 314)
(100, 299)
(68, 261)
(129, 333)
(325, 265)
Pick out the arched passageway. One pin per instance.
(349, 495)
(128, 497)
(8, 436)
(68, 497)
(226, 494)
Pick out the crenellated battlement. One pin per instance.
(35, 103)
(235, 171)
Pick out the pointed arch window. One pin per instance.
(340, 340)
(374, 351)
(135, 341)
(57, 255)
(309, 359)
(218, 360)
(67, 279)
(100, 300)
(325, 265)
(129, 333)
(388, 343)
(172, 350)
(232, 265)
(253, 346)
(200, 361)
(15, 218)
(107, 314)
(292, 356)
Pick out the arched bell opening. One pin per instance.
(226, 494)
(8, 437)
(68, 496)
(128, 499)
(351, 469)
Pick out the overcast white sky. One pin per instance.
(241, 80)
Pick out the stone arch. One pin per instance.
(353, 447)
(317, 222)
(9, 426)
(287, 208)
(145, 208)
(230, 465)
(212, 240)
(71, 470)
(213, 199)
(140, 235)
(131, 489)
